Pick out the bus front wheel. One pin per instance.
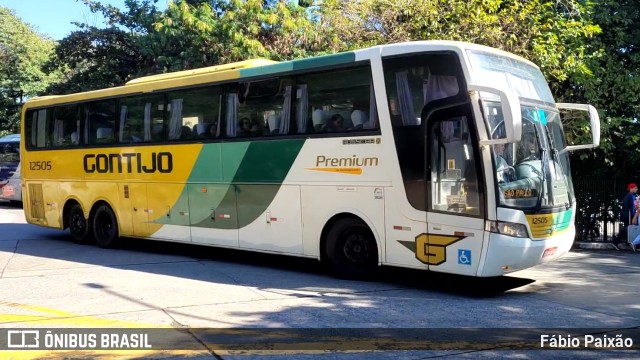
(351, 250)
(79, 227)
(105, 227)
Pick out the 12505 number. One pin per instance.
(39, 165)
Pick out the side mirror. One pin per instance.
(510, 111)
(594, 119)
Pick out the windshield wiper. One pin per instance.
(544, 168)
(543, 179)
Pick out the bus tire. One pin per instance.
(105, 227)
(79, 226)
(351, 250)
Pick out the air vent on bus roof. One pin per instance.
(203, 71)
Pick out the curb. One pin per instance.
(599, 246)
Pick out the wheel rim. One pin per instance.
(104, 226)
(356, 248)
(78, 223)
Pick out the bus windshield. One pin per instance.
(535, 172)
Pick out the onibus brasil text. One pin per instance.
(84, 340)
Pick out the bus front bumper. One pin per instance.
(507, 254)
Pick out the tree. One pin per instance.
(22, 52)
(613, 89)
(189, 34)
(215, 32)
(552, 34)
(94, 58)
(620, 42)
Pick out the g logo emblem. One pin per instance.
(431, 248)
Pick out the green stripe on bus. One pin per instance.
(322, 61)
(268, 161)
(233, 155)
(207, 208)
(208, 164)
(302, 64)
(563, 220)
(252, 174)
(253, 200)
(267, 69)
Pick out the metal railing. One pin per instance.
(598, 211)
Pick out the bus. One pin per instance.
(377, 156)
(10, 187)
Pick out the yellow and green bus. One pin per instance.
(435, 155)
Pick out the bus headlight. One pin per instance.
(507, 228)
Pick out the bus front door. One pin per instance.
(455, 212)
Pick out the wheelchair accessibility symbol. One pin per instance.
(464, 257)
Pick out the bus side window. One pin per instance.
(358, 119)
(263, 108)
(273, 122)
(104, 135)
(338, 106)
(64, 121)
(100, 122)
(140, 119)
(192, 113)
(35, 128)
(318, 117)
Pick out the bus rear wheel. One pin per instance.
(79, 227)
(351, 250)
(105, 227)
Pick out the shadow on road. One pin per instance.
(4, 204)
(55, 244)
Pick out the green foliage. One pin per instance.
(618, 70)
(552, 34)
(187, 35)
(22, 52)
(95, 58)
(217, 32)
(613, 89)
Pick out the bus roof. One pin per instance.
(208, 75)
(201, 71)
(254, 68)
(10, 138)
